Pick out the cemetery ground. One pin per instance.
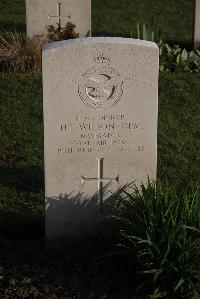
(119, 17)
(24, 268)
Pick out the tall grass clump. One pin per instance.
(21, 54)
(145, 33)
(160, 234)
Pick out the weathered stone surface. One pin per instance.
(41, 13)
(197, 25)
(100, 122)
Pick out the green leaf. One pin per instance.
(144, 32)
(158, 274)
(178, 58)
(184, 55)
(191, 228)
(152, 271)
(131, 32)
(138, 30)
(159, 294)
(169, 50)
(152, 36)
(198, 52)
(179, 284)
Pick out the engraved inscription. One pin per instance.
(58, 16)
(100, 134)
(101, 86)
(100, 180)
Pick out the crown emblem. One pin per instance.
(101, 59)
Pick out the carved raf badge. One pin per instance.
(101, 86)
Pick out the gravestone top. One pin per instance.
(102, 40)
(100, 125)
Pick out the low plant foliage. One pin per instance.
(172, 58)
(161, 235)
(175, 59)
(21, 54)
(144, 33)
(56, 32)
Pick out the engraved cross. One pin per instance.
(59, 14)
(100, 180)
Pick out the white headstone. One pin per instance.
(100, 125)
(197, 25)
(41, 13)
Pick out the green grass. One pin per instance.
(173, 18)
(21, 154)
(12, 15)
(179, 128)
(21, 147)
(160, 237)
(21, 128)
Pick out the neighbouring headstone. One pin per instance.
(197, 25)
(100, 125)
(41, 13)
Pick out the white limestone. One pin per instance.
(41, 13)
(197, 25)
(100, 125)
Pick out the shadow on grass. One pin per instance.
(83, 236)
(15, 225)
(21, 208)
(88, 263)
(22, 179)
(12, 26)
(77, 217)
